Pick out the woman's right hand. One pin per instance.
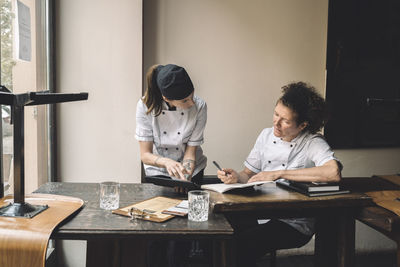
(175, 169)
(228, 176)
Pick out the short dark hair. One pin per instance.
(308, 105)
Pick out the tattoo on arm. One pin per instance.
(186, 164)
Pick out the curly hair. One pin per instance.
(308, 105)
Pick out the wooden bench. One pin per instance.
(385, 222)
(378, 218)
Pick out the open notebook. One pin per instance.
(222, 188)
(217, 187)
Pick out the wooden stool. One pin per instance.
(23, 241)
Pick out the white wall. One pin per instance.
(99, 50)
(238, 54)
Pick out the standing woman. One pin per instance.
(170, 122)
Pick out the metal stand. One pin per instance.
(17, 102)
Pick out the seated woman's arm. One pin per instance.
(230, 176)
(328, 172)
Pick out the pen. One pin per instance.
(219, 167)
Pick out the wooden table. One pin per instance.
(113, 240)
(335, 224)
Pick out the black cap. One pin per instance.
(174, 82)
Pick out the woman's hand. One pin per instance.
(265, 176)
(228, 176)
(174, 168)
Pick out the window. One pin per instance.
(362, 74)
(25, 67)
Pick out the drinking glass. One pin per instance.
(109, 195)
(198, 205)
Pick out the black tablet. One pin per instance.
(167, 181)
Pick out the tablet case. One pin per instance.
(167, 181)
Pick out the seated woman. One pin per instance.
(293, 150)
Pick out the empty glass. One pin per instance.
(109, 195)
(198, 205)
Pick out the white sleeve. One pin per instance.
(144, 128)
(197, 136)
(319, 151)
(253, 161)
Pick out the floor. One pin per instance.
(386, 259)
(362, 260)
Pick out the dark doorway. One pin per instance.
(363, 73)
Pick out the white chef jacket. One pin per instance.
(172, 131)
(271, 153)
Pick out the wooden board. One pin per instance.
(23, 241)
(393, 178)
(155, 206)
(388, 199)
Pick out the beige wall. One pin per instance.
(239, 54)
(99, 50)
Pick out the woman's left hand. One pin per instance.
(265, 176)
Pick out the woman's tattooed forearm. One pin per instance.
(187, 164)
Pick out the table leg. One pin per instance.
(224, 253)
(116, 253)
(103, 253)
(335, 240)
(133, 252)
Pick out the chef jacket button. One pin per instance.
(269, 161)
(165, 132)
(291, 145)
(163, 112)
(274, 142)
(166, 148)
(182, 113)
(283, 165)
(177, 148)
(179, 132)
